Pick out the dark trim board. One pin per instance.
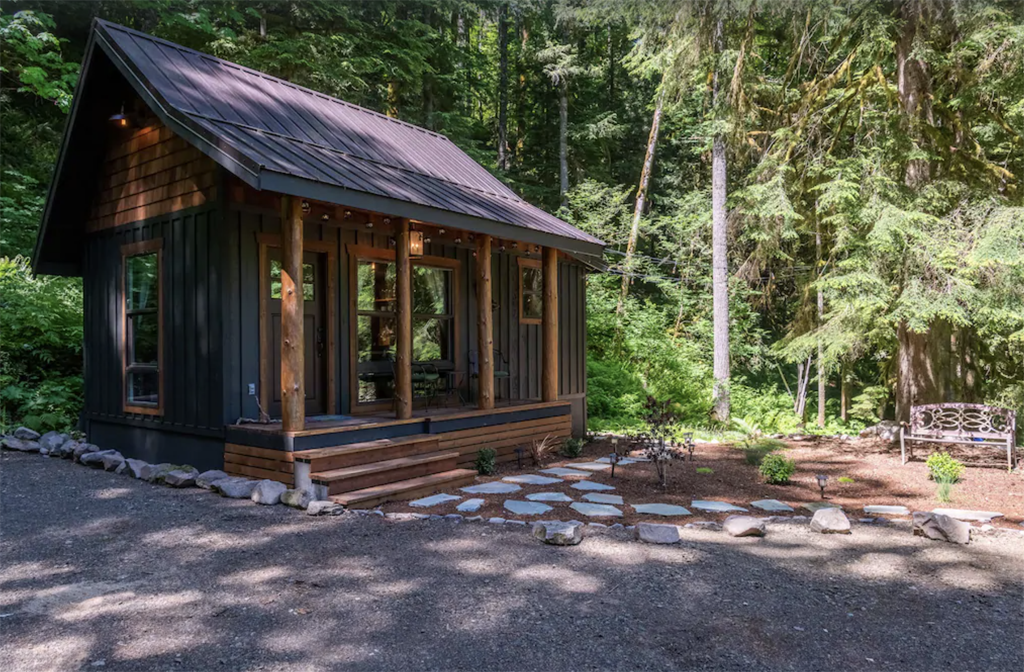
(158, 445)
(442, 426)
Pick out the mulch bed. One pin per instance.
(874, 466)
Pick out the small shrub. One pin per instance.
(776, 469)
(572, 447)
(846, 479)
(539, 450)
(486, 461)
(942, 468)
(755, 451)
(944, 491)
(705, 470)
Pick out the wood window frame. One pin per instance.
(156, 245)
(357, 253)
(523, 264)
(265, 242)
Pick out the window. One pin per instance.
(531, 291)
(142, 327)
(432, 323)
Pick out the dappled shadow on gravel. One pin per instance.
(100, 567)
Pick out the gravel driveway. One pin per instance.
(100, 572)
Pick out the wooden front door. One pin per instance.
(315, 330)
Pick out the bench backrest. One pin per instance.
(963, 420)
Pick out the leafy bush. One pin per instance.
(572, 447)
(944, 469)
(846, 479)
(615, 396)
(486, 461)
(776, 469)
(705, 470)
(539, 450)
(768, 408)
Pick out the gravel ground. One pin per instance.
(100, 572)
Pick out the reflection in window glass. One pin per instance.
(376, 286)
(532, 289)
(308, 281)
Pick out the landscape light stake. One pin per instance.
(613, 459)
(689, 443)
(519, 457)
(822, 482)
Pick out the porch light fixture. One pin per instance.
(306, 207)
(822, 482)
(369, 225)
(415, 243)
(325, 217)
(120, 119)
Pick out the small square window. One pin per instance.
(531, 292)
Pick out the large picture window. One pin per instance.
(142, 333)
(531, 292)
(432, 323)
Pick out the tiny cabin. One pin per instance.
(284, 285)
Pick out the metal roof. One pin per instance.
(278, 136)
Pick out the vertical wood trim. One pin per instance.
(549, 375)
(265, 358)
(403, 322)
(293, 389)
(484, 324)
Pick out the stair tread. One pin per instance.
(362, 446)
(383, 465)
(398, 487)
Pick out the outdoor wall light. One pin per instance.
(306, 207)
(120, 120)
(415, 243)
(822, 482)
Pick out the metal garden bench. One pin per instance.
(973, 424)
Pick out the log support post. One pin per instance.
(549, 376)
(403, 322)
(484, 324)
(293, 387)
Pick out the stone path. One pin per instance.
(549, 497)
(531, 479)
(599, 498)
(662, 509)
(714, 506)
(887, 510)
(590, 466)
(562, 471)
(470, 505)
(590, 485)
(596, 510)
(622, 460)
(771, 505)
(814, 507)
(492, 488)
(526, 508)
(434, 500)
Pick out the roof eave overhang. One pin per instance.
(329, 193)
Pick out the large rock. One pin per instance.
(26, 434)
(181, 478)
(887, 430)
(743, 526)
(268, 492)
(95, 458)
(298, 498)
(151, 473)
(51, 441)
(134, 467)
(23, 445)
(324, 507)
(84, 449)
(112, 460)
(66, 449)
(657, 533)
(208, 478)
(830, 521)
(941, 527)
(234, 487)
(558, 533)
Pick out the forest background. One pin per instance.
(845, 173)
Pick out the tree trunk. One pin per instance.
(641, 197)
(803, 378)
(922, 367)
(428, 79)
(503, 88)
(913, 84)
(719, 260)
(820, 314)
(563, 141)
(844, 395)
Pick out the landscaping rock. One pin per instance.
(50, 442)
(23, 445)
(206, 479)
(434, 500)
(590, 485)
(549, 497)
(66, 449)
(297, 498)
(134, 467)
(941, 527)
(743, 526)
(590, 466)
(526, 508)
(492, 488)
(715, 506)
(181, 478)
(830, 521)
(966, 514)
(887, 430)
(95, 458)
(657, 533)
(324, 507)
(662, 509)
(470, 505)
(558, 533)
(151, 473)
(531, 479)
(234, 487)
(601, 498)
(562, 471)
(268, 492)
(771, 505)
(881, 509)
(814, 507)
(26, 434)
(83, 449)
(121, 468)
(596, 510)
(112, 460)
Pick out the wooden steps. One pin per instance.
(353, 454)
(412, 488)
(363, 476)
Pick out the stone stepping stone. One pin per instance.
(662, 509)
(549, 497)
(887, 510)
(590, 485)
(596, 510)
(716, 507)
(434, 500)
(562, 471)
(531, 479)
(622, 461)
(599, 498)
(591, 466)
(526, 508)
(771, 505)
(967, 514)
(470, 505)
(492, 488)
(814, 507)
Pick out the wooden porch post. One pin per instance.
(293, 386)
(484, 324)
(549, 376)
(403, 322)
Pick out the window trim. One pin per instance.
(524, 264)
(156, 245)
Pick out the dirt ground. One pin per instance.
(102, 572)
(878, 478)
